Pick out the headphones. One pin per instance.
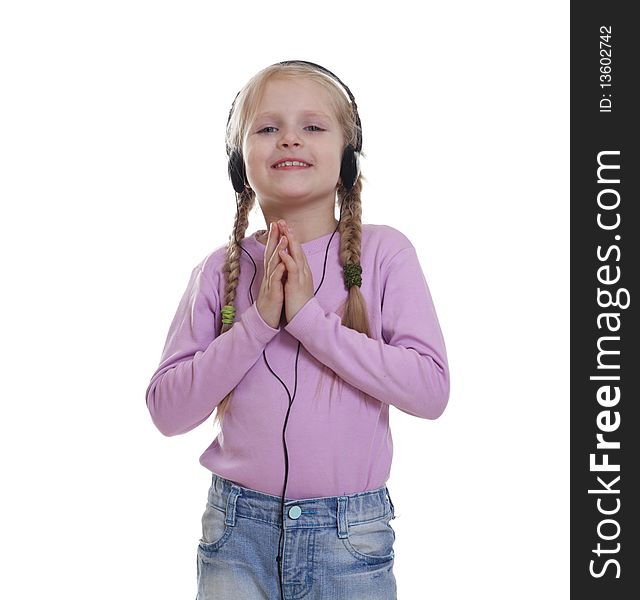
(349, 171)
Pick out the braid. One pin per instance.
(231, 268)
(232, 262)
(355, 312)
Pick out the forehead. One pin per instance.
(304, 113)
(285, 96)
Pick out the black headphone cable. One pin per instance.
(264, 355)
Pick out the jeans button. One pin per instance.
(295, 512)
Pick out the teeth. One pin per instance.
(291, 163)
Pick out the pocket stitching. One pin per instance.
(369, 558)
(209, 547)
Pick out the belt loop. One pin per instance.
(343, 522)
(231, 505)
(393, 510)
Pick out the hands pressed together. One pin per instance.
(287, 277)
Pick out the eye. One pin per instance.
(264, 129)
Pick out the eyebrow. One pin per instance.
(307, 113)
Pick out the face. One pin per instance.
(294, 120)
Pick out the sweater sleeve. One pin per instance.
(408, 368)
(197, 369)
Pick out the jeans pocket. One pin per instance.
(372, 541)
(215, 532)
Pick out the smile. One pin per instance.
(291, 164)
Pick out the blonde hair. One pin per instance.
(350, 227)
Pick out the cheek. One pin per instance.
(253, 158)
(248, 152)
(331, 156)
(337, 153)
(337, 161)
(253, 149)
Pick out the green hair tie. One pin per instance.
(228, 314)
(352, 274)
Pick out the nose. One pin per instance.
(289, 137)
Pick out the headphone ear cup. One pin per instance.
(236, 171)
(350, 168)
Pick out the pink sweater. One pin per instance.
(338, 436)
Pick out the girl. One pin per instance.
(298, 505)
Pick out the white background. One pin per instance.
(114, 186)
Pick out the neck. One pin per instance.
(305, 228)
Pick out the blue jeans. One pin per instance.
(334, 548)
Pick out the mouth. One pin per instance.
(291, 164)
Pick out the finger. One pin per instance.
(276, 236)
(295, 249)
(284, 230)
(288, 261)
(273, 262)
(276, 275)
(271, 243)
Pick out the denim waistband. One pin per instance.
(328, 511)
